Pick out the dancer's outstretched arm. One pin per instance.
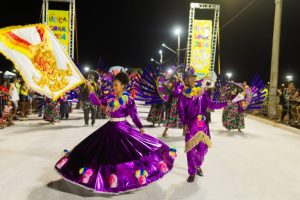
(132, 112)
(213, 104)
(93, 97)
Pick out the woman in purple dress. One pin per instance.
(117, 158)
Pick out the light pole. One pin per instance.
(152, 60)
(272, 108)
(164, 45)
(161, 56)
(177, 32)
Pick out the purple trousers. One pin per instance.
(195, 157)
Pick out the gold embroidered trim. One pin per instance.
(196, 139)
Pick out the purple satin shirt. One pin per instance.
(125, 110)
(190, 108)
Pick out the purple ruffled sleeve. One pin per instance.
(213, 104)
(178, 88)
(181, 109)
(132, 111)
(95, 100)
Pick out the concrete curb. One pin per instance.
(275, 124)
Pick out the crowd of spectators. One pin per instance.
(15, 100)
(289, 104)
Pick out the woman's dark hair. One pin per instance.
(4, 81)
(13, 79)
(122, 77)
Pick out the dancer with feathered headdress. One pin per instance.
(243, 98)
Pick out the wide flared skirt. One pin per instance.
(172, 119)
(116, 158)
(232, 118)
(51, 112)
(156, 114)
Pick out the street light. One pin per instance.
(229, 74)
(164, 45)
(86, 68)
(161, 56)
(170, 71)
(177, 31)
(152, 60)
(289, 77)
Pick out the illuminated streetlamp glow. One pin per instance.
(152, 60)
(86, 69)
(289, 77)
(229, 74)
(177, 31)
(161, 56)
(170, 71)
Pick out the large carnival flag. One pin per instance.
(40, 59)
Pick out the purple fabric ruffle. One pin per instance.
(116, 158)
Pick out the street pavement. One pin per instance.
(261, 163)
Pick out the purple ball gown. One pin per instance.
(117, 158)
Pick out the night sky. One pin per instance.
(129, 33)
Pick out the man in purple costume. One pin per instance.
(192, 105)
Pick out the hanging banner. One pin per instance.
(40, 59)
(58, 21)
(201, 47)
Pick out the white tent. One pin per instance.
(116, 68)
(9, 74)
